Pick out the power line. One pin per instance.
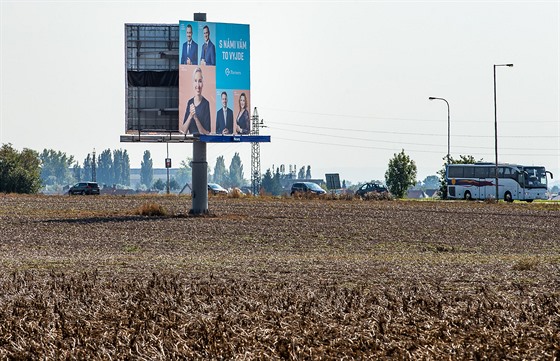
(346, 116)
(406, 133)
(393, 149)
(394, 142)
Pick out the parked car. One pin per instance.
(371, 188)
(215, 189)
(303, 187)
(84, 188)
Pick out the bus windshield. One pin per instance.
(535, 177)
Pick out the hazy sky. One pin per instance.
(341, 86)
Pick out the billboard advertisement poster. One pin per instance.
(214, 78)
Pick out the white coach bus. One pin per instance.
(478, 181)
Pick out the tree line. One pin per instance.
(27, 171)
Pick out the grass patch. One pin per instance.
(131, 248)
(437, 248)
(151, 210)
(526, 264)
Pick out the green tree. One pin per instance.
(77, 172)
(431, 182)
(266, 183)
(146, 170)
(276, 185)
(20, 172)
(121, 167)
(400, 174)
(173, 184)
(463, 159)
(105, 168)
(184, 173)
(55, 167)
(160, 185)
(235, 171)
(270, 183)
(87, 169)
(220, 172)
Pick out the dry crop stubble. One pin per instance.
(85, 277)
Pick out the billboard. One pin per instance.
(214, 78)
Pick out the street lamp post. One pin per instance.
(448, 125)
(496, 126)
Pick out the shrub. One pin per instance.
(308, 195)
(526, 264)
(235, 193)
(377, 196)
(490, 199)
(340, 196)
(151, 210)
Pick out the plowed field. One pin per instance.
(87, 277)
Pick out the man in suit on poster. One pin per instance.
(208, 55)
(190, 49)
(224, 118)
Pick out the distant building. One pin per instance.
(416, 194)
(432, 193)
(159, 173)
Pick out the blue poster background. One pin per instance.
(233, 64)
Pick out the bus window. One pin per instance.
(455, 172)
(531, 180)
(535, 177)
(481, 172)
(508, 173)
(468, 172)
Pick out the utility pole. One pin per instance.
(496, 130)
(256, 155)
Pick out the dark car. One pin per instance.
(304, 187)
(84, 188)
(216, 189)
(371, 188)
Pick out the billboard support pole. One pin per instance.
(167, 168)
(199, 179)
(199, 166)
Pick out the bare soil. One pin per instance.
(89, 277)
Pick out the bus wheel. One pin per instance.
(508, 197)
(468, 196)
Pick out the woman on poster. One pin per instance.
(197, 114)
(243, 123)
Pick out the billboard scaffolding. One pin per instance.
(152, 78)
